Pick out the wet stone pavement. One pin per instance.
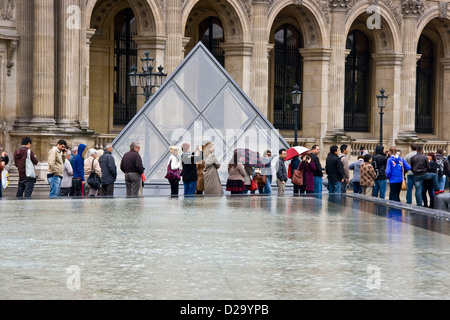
(202, 248)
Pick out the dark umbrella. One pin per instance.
(250, 157)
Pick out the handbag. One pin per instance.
(93, 179)
(297, 176)
(404, 186)
(29, 166)
(172, 175)
(253, 185)
(5, 179)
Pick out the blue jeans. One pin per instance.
(442, 181)
(189, 187)
(317, 184)
(357, 187)
(410, 185)
(268, 186)
(334, 187)
(418, 183)
(380, 186)
(55, 186)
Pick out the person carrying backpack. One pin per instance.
(443, 168)
(379, 162)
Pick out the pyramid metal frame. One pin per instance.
(159, 94)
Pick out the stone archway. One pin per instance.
(385, 66)
(102, 72)
(436, 29)
(312, 21)
(234, 21)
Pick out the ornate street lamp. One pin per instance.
(147, 79)
(381, 99)
(296, 98)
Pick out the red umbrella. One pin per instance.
(295, 151)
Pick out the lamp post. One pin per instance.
(296, 98)
(147, 79)
(381, 99)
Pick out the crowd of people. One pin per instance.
(79, 171)
(70, 170)
(199, 172)
(426, 173)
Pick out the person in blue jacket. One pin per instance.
(78, 172)
(396, 167)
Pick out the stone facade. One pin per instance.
(57, 63)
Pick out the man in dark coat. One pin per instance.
(334, 170)
(419, 167)
(109, 171)
(379, 162)
(189, 172)
(131, 165)
(318, 173)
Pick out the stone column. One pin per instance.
(85, 44)
(68, 97)
(387, 76)
(238, 62)
(25, 27)
(44, 65)
(335, 130)
(260, 59)
(412, 9)
(444, 119)
(174, 46)
(315, 92)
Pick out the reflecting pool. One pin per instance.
(202, 248)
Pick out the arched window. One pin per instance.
(357, 83)
(125, 55)
(288, 72)
(425, 86)
(211, 35)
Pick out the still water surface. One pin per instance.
(252, 247)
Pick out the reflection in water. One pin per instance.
(252, 247)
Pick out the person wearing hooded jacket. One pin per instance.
(78, 172)
(379, 162)
(395, 170)
(26, 184)
(356, 166)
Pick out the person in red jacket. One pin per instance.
(308, 167)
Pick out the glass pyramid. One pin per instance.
(198, 103)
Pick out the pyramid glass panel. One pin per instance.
(170, 112)
(200, 79)
(152, 145)
(229, 113)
